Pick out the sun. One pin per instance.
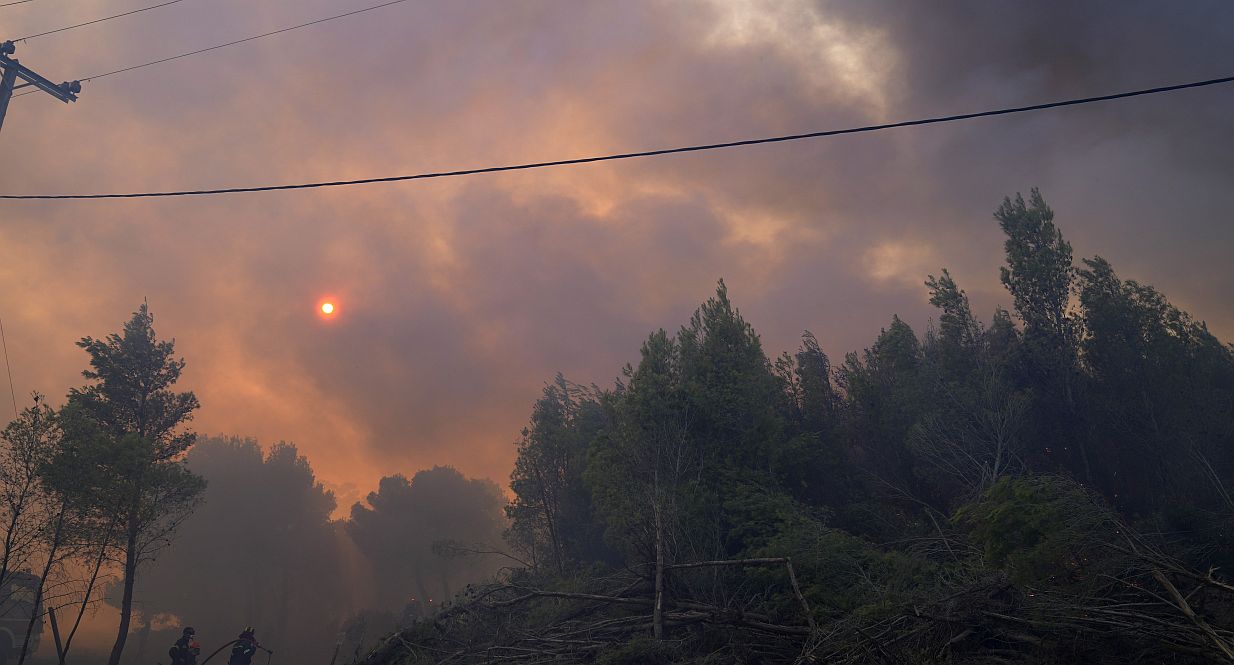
(327, 308)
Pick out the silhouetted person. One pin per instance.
(186, 649)
(246, 645)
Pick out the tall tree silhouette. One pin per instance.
(138, 451)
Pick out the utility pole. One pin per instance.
(11, 70)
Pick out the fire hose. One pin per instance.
(269, 653)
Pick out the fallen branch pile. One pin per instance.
(1168, 611)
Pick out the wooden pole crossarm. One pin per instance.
(11, 70)
(65, 92)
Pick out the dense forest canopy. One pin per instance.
(1049, 485)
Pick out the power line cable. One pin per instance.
(633, 155)
(19, 2)
(246, 39)
(9, 368)
(97, 20)
(238, 41)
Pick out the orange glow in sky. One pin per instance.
(327, 308)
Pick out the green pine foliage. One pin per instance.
(983, 493)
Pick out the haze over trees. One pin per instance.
(261, 550)
(111, 499)
(1052, 485)
(411, 530)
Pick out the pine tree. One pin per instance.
(137, 445)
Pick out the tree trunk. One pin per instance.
(252, 606)
(35, 615)
(445, 586)
(657, 616)
(1082, 441)
(792, 577)
(143, 636)
(550, 520)
(85, 601)
(421, 589)
(9, 535)
(281, 621)
(337, 645)
(126, 603)
(55, 632)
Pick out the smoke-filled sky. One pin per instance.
(458, 299)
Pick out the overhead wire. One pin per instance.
(19, 2)
(97, 20)
(9, 369)
(246, 39)
(634, 155)
(231, 43)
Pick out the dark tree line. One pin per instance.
(1050, 486)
